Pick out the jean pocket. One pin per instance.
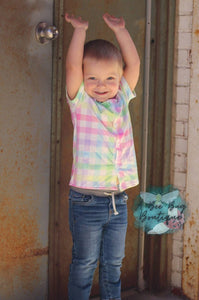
(79, 198)
(122, 198)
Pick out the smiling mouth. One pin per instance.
(101, 93)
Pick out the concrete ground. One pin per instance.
(134, 295)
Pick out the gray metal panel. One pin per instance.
(25, 121)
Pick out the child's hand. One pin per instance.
(113, 22)
(76, 22)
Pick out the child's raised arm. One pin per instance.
(127, 47)
(74, 57)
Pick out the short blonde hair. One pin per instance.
(102, 49)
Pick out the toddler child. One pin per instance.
(99, 90)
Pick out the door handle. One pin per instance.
(45, 33)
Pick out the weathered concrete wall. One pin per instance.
(185, 265)
(184, 13)
(25, 118)
(190, 279)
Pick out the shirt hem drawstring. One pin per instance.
(112, 194)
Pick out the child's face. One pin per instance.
(101, 78)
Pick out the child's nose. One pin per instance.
(101, 83)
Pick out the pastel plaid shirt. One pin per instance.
(103, 148)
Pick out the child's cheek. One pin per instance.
(88, 86)
(114, 85)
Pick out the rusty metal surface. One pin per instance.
(25, 101)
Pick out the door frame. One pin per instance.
(157, 249)
(54, 205)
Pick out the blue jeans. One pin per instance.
(97, 234)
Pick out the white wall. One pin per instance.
(182, 71)
(185, 264)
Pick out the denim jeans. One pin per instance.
(97, 234)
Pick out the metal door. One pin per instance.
(60, 238)
(25, 129)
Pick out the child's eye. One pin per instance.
(110, 78)
(92, 78)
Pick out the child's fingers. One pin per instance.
(113, 22)
(68, 17)
(77, 22)
(107, 16)
(109, 19)
(71, 17)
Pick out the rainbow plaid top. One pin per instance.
(103, 148)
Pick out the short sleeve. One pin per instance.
(126, 90)
(80, 95)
